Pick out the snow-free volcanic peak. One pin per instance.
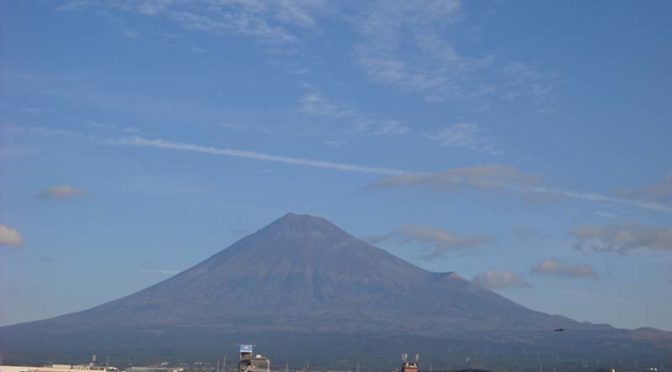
(304, 279)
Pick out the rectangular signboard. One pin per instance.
(246, 348)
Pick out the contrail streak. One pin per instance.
(345, 167)
(159, 143)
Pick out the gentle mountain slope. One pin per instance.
(303, 275)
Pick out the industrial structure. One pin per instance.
(252, 363)
(407, 366)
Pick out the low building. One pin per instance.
(252, 363)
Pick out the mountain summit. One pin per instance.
(304, 279)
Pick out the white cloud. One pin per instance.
(61, 192)
(558, 268)
(383, 127)
(483, 177)
(268, 21)
(623, 238)
(197, 49)
(466, 135)
(335, 143)
(605, 214)
(130, 34)
(10, 237)
(523, 80)
(441, 241)
(240, 127)
(492, 177)
(159, 271)
(403, 44)
(529, 233)
(316, 104)
(503, 178)
(413, 46)
(176, 146)
(500, 280)
(661, 192)
(45, 131)
(600, 198)
(7, 151)
(147, 267)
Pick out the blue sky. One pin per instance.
(524, 144)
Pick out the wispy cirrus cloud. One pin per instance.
(274, 22)
(159, 271)
(316, 104)
(147, 267)
(382, 127)
(402, 44)
(61, 192)
(623, 238)
(130, 34)
(494, 279)
(10, 237)
(440, 241)
(465, 135)
(502, 178)
(524, 80)
(660, 192)
(529, 233)
(44, 131)
(561, 269)
(490, 177)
